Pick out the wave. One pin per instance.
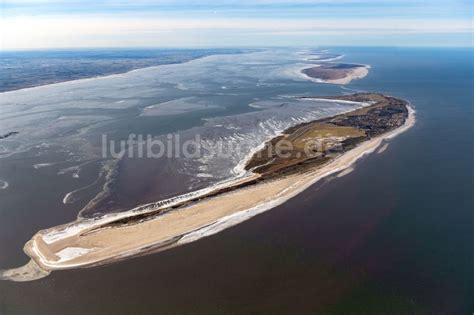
(383, 148)
(42, 165)
(3, 184)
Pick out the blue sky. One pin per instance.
(30, 24)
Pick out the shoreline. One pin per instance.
(77, 242)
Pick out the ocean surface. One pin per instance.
(394, 236)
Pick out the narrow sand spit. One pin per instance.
(3, 184)
(30, 271)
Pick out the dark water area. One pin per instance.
(393, 237)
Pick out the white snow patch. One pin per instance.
(70, 253)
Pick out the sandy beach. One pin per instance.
(334, 75)
(86, 243)
(356, 73)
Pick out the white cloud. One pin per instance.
(86, 30)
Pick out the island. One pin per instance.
(336, 73)
(281, 169)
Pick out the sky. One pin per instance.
(42, 24)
